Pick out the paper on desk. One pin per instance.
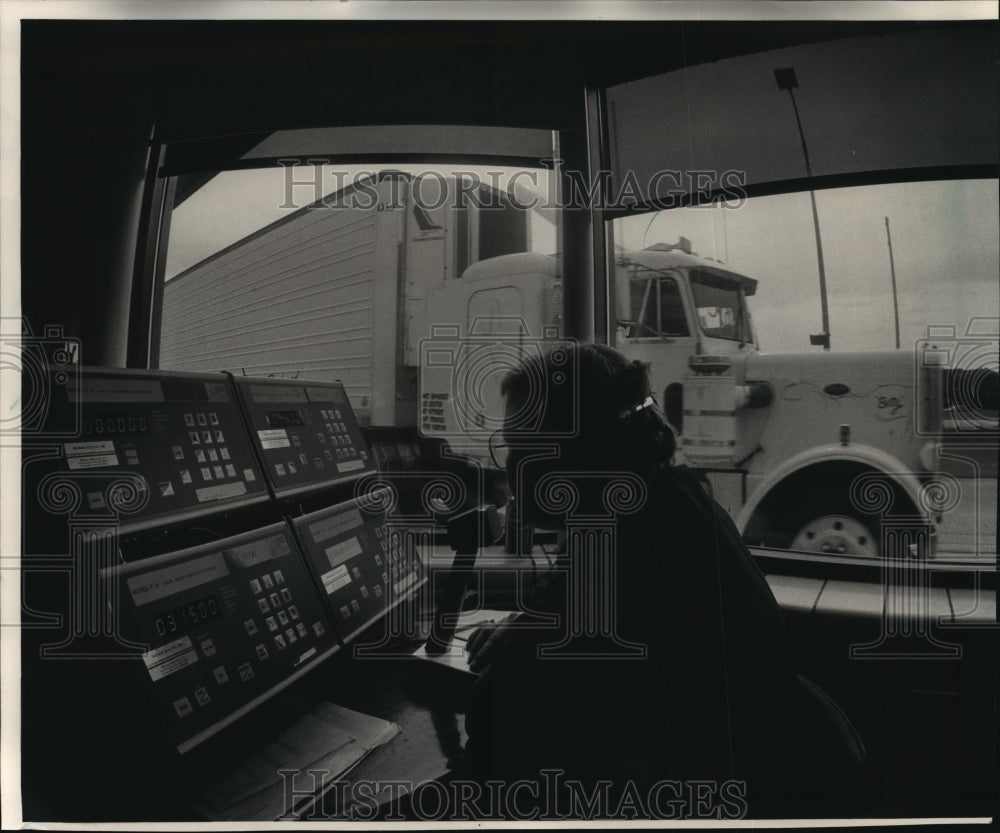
(456, 656)
(328, 740)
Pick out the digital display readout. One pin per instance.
(187, 616)
(284, 419)
(116, 425)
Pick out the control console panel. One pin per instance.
(364, 565)
(155, 447)
(222, 627)
(305, 433)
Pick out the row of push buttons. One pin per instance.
(290, 466)
(279, 618)
(273, 581)
(274, 600)
(267, 581)
(402, 565)
(342, 438)
(183, 705)
(206, 437)
(338, 435)
(390, 546)
(190, 420)
(210, 454)
(354, 606)
(202, 697)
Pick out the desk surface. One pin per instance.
(425, 696)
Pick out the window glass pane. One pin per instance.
(718, 306)
(655, 308)
(786, 428)
(329, 272)
(672, 321)
(944, 241)
(641, 317)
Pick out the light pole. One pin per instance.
(787, 81)
(892, 271)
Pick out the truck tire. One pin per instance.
(812, 511)
(827, 524)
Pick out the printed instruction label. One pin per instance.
(219, 492)
(336, 578)
(167, 659)
(98, 461)
(273, 438)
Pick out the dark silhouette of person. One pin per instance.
(669, 660)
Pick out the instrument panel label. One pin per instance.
(274, 438)
(335, 579)
(159, 584)
(257, 552)
(96, 461)
(269, 394)
(167, 659)
(338, 524)
(116, 390)
(219, 492)
(156, 655)
(96, 447)
(352, 465)
(335, 395)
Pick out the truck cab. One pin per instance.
(672, 305)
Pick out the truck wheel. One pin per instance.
(813, 511)
(836, 535)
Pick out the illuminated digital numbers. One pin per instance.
(117, 425)
(186, 616)
(166, 624)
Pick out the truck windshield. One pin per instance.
(656, 307)
(719, 306)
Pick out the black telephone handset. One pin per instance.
(468, 532)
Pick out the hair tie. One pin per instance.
(648, 402)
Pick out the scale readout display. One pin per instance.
(305, 432)
(222, 626)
